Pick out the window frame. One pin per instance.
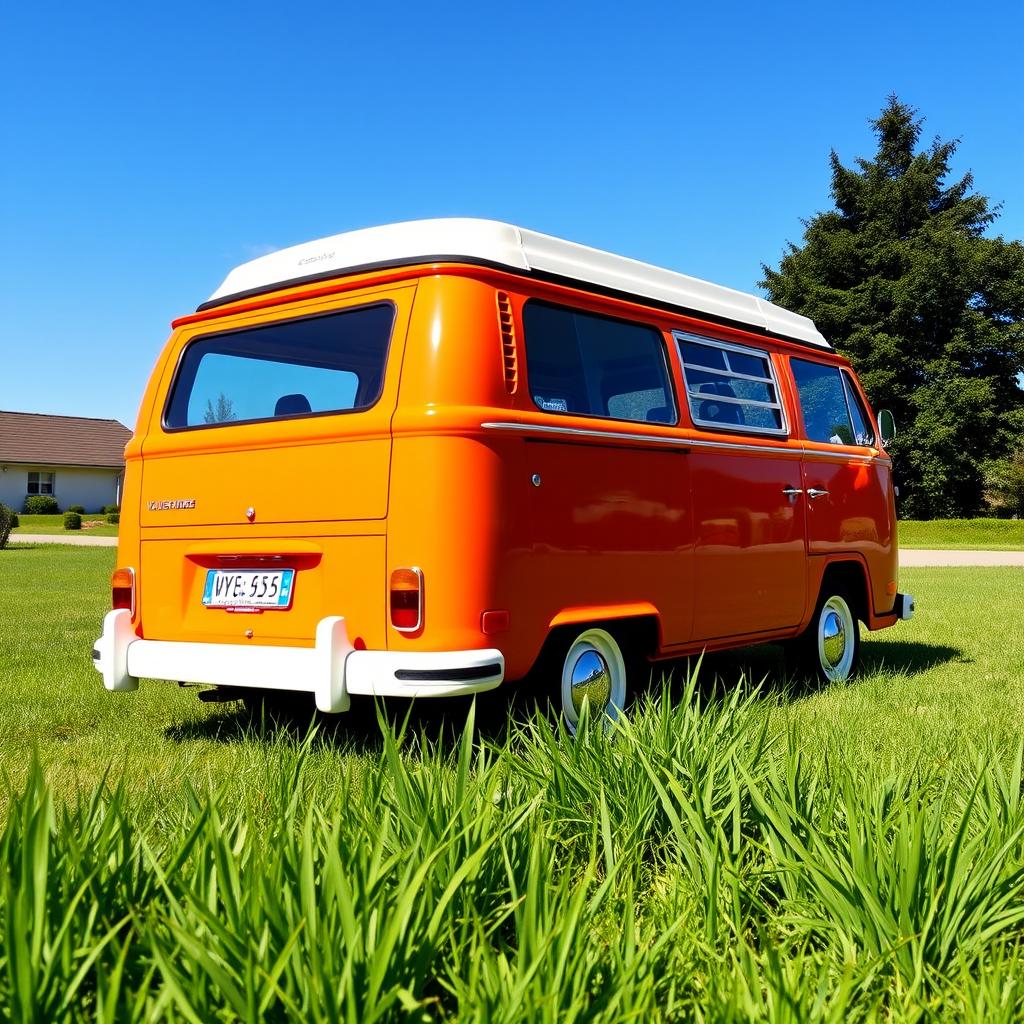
(206, 336)
(38, 474)
(782, 431)
(849, 390)
(853, 397)
(666, 364)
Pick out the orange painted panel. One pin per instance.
(749, 562)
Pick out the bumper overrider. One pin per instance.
(331, 670)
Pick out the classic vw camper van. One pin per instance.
(426, 458)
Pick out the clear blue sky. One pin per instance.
(146, 149)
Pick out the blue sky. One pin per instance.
(149, 148)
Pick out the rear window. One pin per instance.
(312, 366)
(596, 366)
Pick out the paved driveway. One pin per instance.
(920, 557)
(62, 538)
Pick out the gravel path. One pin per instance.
(908, 556)
(60, 538)
(920, 557)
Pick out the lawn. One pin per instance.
(756, 852)
(966, 534)
(55, 524)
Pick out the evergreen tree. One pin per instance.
(222, 412)
(901, 278)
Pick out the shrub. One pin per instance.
(113, 517)
(72, 521)
(107, 509)
(1004, 485)
(80, 509)
(41, 505)
(8, 520)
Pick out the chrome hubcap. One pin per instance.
(593, 671)
(837, 639)
(591, 678)
(833, 638)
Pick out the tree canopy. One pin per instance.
(901, 277)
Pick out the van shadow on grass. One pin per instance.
(765, 665)
(443, 720)
(292, 716)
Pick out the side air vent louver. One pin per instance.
(508, 342)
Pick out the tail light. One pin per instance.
(122, 589)
(406, 599)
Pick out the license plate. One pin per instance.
(249, 588)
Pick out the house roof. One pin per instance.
(40, 440)
(460, 239)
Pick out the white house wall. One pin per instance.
(92, 488)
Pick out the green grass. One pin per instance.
(55, 524)
(771, 853)
(965, 534)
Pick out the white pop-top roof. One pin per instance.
(452, 239)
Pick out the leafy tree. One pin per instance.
(1004, 482)
(902, 279)
(222, 412)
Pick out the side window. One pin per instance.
(595, 366)
(823, 401)
(862, 431)
(730, 387)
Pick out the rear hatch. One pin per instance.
(265, 473)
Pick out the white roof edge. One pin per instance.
(519, 249)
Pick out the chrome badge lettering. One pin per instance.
(174, 503)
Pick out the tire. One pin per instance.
(593, 666)
(828, 650)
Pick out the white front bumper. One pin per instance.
(331, 670)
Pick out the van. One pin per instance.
(428, 458)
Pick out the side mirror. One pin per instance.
(886, 426)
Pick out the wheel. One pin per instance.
(829, 649)
(593, 669)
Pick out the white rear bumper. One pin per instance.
(331, 670)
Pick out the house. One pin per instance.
(79, 460)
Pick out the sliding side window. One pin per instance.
(730, 387)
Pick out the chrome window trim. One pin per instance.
(757, 353)
(852, 399)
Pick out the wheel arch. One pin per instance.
(636, 626)
(847, 576)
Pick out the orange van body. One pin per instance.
(523, 522)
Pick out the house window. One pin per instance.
(41, 483)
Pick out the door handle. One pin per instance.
(816, 492)
(792, 492)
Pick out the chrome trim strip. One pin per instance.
(810, 453)
(679, 442)
(615, 435)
